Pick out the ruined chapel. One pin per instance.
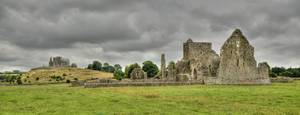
(235, 64)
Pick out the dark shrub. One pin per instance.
(68, 81)
(64, 74)
(273, 75)
(19, 81)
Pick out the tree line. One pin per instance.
(96, 65)
(12, 77)
(148, 66)
(288, 72)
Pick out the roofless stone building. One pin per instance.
(235, 65)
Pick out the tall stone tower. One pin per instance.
(163, 66)
(237, 62)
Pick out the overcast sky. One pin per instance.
(129, 31)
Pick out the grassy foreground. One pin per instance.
(185, 100)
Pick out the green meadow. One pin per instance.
(275, 99)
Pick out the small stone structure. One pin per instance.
(138, 73)
(59, 62)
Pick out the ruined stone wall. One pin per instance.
(237, 62)
(171, 75)
(203, 61)
(183, 70)
(263, 71)
(196, 50)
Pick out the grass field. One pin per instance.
(272, 99)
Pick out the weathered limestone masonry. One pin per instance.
(171, 75)
(138, 73)
(199, 61)
(59, 62)
(163, 66)
(236, 64)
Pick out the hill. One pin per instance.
(49, 75)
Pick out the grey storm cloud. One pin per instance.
(128, 31)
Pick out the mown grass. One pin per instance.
(275, 99)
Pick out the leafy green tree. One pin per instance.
(118, 67)
(278, 70)
(11, 78)
(150, 68)
(74, 65)
(90, 66)
(294, 72)
(286, 73)
(126, 72)
(281, 71)
(96, 65)
(19, 81)
(2, 77)
(272, 75)
(119, 74)
(105, 67)
(110, 69)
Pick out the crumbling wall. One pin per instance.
(171, 76)
(202, 60)
(183, 70)
(237, 62)
(263, 71)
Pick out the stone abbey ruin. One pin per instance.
(202, 65)
(235, 65)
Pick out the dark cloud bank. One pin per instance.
(128, 31)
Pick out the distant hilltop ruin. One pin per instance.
(60, 62)
(235, 65)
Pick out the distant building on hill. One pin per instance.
(59, 62)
